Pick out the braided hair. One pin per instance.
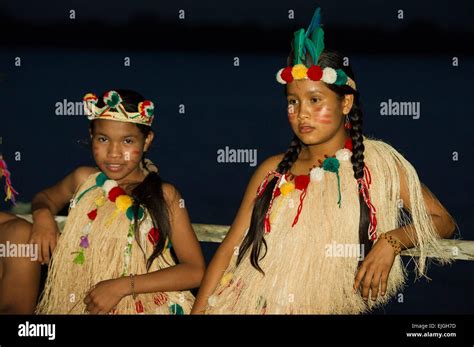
(254, 238)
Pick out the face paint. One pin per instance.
(324, 117)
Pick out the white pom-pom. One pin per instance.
(329, 75)
(282, 181)
(278, 77)
(212, 300)
(109, 185)
(343, 154)
(316, 174)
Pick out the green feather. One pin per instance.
(298, 45)
(311, 49)
(318, 39)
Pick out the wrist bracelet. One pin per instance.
(132, 279)
(392, 241)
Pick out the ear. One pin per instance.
(347, 103)
(148, 141)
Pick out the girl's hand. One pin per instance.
(105, 295)
(44, 233)
(375, 269)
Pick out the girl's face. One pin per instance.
(315, 112)
(118, 148)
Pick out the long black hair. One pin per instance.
(149, 192)
(255, 235)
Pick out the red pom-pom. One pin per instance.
(115, 192)
(348, 144)
(286, 74)
(301, 182)
(92, 214)
(315, 73)
(153, 236)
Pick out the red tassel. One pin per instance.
(364, 184)
(300, 207)
(267, 224)
(139, 306)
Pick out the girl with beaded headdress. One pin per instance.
(321, 227)
(127, 246)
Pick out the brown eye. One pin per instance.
(128, 141)
(314, 99)
(101, 139)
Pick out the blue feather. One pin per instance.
(315, 22)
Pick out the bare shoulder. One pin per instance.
(81, 173)
(270, 163)
(170, 192)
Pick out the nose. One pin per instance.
(114, 150)
(303, 111)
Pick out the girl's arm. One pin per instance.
(442, 221)
(377, 265)
(185, 275)
(46, 204)
(234, 237)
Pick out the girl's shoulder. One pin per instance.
(82, 174)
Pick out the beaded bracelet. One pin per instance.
(392, 241)
(132, 279)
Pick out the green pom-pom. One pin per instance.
(176, 309)
(130, 212)
(331, 164)
(100, 179)
(112, 99)
(341, 77)
(79, 259)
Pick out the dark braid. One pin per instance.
(357, 159)
(254, 237)
(291, 156)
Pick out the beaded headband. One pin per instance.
(312, 41)
(114, 110)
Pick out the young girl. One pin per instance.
(114, 254)
(321, 227)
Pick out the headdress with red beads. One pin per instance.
(312, 41)
(114, 110)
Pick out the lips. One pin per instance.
(114, 167)
(304, 128)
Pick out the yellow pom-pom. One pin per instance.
(226, 278)
(100, 201)
(299, 71)
(123, 202)
(287, 188)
